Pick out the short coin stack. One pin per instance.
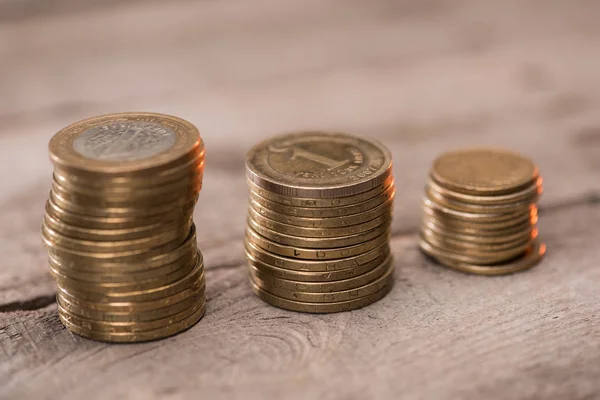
(319, 220)
(118, 226)
(480, 213)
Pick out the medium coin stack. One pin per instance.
(480, 212)
(319, 220)
(118, 226)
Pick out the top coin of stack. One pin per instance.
(480, 212)
(118, 226)
(319, 220)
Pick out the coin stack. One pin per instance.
(319, 220)
(118, 226)
(480, 212)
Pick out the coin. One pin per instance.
(322, 202)
(522, 206)
(318, 164)
(521, 232)
(317, 308)
(138, 336)
(531, 258)
(323, 212)
(484, 171)
(316, 254)
(328, 266)
(353, 282)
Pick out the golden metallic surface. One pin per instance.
(327, 266)
(320, 242)
(528, 260)
(331, 286)
(132, 337)
(322, 202)
(335, 222)
(118, 226)
(319, 308)
(319, 221)
(480, 213)
(318, 164)
(484, 171)
(125, 143)
(322, 212)
(315, 254)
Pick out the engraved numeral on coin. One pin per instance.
(329, 163)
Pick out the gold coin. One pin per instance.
(318, 164)
(132, 307)
(103, 200)
(312, 266)
(480, 209)
(125, 143)
(324, 202)
(192, 280)
(120, 222)
(438, 208)
(316, 232)
(327, 212)
(474, 236)
(484, 172)
(172, 309)
(319, 243)
(526, 195)
(315, 254)
(321, 307)
(480, 227)
(467, 247)
(531, 258)
(146, 261)
(335, 222)
(471, 257)
(310, 276)
(354, 282)
(177, 233)
(138, 336)
(185, 202)
(125, 286)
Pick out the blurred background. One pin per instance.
(422, 76)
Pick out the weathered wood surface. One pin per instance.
(421, 76)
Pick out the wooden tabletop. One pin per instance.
(422, 76)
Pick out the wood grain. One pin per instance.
(422, 77)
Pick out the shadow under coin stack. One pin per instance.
(480, 213)
(319, 220)
(119, 230)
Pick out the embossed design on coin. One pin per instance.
(124, 141)
(484, 170)
(320, 161)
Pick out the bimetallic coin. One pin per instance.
(124, 143)
(322, 202)
(531, 258)
(318, 164)
(330, 286)
(323, 212)
(315, 254)
(317, 308)
(319, 243)
(131, 337)
(312, 266)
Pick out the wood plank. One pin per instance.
(532, 335)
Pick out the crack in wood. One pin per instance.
(32, 304)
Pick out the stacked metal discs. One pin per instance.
(480, 213)
(319, 220)
(118, 226)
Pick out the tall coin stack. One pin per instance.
(118, 226)
(480, 212)
(319, 220)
